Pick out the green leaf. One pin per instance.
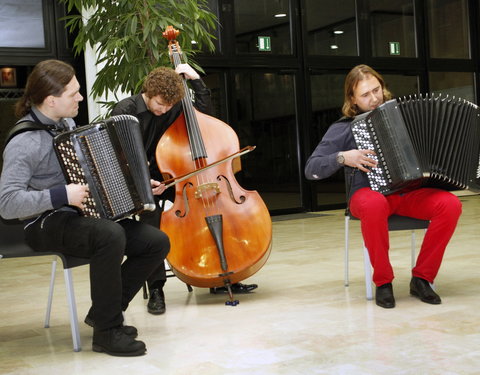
(127, 36)
(133, 25)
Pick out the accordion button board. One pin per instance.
(109, 157)
(423, 140)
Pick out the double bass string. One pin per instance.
(197, 147)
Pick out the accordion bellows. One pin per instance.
(110, 157)
(423, 140)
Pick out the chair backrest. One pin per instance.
(349, 173)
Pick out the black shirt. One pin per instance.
(153, 127)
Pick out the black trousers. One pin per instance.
(159, 275)
(113, 281)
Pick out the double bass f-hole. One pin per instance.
(220, 233)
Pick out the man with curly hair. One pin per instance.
(157, 107)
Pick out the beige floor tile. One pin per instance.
(301, 319)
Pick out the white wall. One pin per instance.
(95, 110)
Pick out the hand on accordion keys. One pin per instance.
(77, 195)
(361, 159)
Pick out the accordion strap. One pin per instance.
(349, 174)
(24, 126)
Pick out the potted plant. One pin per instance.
(126, 36)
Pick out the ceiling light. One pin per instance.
(338, 32)
(280, 15)
(333, 46)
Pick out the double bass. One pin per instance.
(219, 232)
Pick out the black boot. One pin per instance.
(128, 330)
(156, 303)
(115, 342)
(384, 296)
(237, 288)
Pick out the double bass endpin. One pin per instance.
(231, 302)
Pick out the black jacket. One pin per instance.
(323, 161)
(153, 127)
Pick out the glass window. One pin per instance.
(459, 84)
(28, 14)
(448, 29)
(327, 101)
(331, 27)
(266, 118)
(262, 26)
(401, 85)
(392, 28)
(8, 98)
(212, 6)
(215, 81)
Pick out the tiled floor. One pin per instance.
(301, 319)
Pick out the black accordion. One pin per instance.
(423, 140)
(110, 157)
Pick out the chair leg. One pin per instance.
(50, 292)
(413, 257)
(432, 285)
(72, 307)
(368, 274)
(145, 290)
(346, 260)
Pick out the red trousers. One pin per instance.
(373, 209)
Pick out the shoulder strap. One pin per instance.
(23, 126)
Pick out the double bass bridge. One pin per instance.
(204, 188)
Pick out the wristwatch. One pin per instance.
(340, 158)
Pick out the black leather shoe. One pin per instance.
(421, 288)
(128, 330)
(156, 303)
(237, 288)
(384, 296)
(115, 342)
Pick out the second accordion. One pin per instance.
(423, 140)
(110, 157)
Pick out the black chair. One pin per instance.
(395, 223)
(12, 245)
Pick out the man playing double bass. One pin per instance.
(156, 108)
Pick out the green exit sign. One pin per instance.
(394, 48)
(264, 43)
